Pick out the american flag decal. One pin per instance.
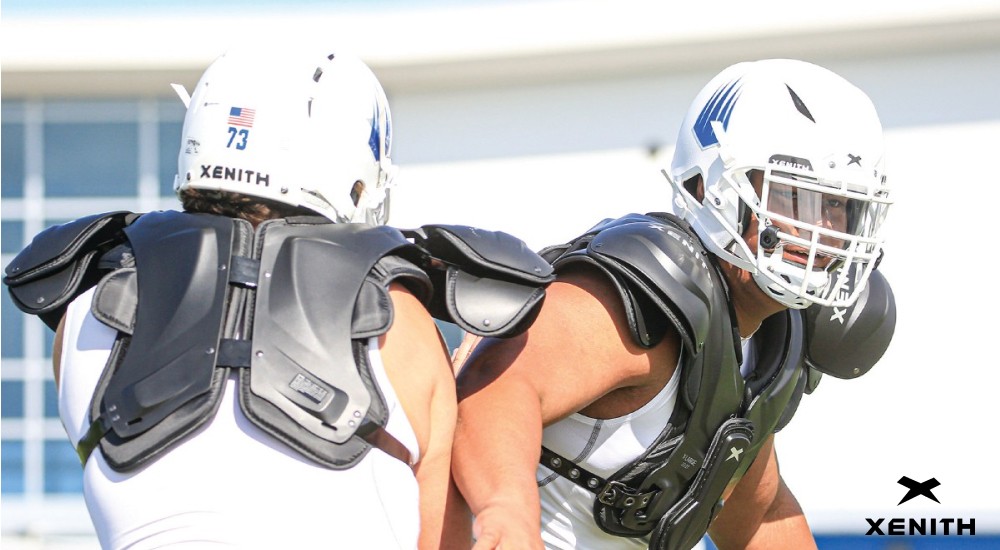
(241, 116)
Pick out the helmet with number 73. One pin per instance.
(800, 150)
(308, 127)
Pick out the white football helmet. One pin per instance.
(297, 126)
(812, 143)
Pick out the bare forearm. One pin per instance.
(496, 450)
(762, 512)
(495, 454)
(783, 526)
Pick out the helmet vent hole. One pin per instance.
(317, 74)
(799, 105)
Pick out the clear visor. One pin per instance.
(825, 220)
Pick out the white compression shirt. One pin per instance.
(602, 447)
(230, 484)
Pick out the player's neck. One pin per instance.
(750, 303)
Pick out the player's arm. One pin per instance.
(57, 350)
(762, 512)
(417, 364)
(577, 350)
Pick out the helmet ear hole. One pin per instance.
(694, 187)
(356, 191)
(744, 218)
(755, 177)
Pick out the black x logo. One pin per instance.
(919, 488)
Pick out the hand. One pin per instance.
(497, 529)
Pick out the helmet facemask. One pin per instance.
(817, 238)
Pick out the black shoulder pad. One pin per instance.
(60, 264)
(491, 283)
(182, 292)
(116, 299)
(848, 342)
(373, 313)
(483, 253)
(658, 265)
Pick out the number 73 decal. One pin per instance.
(239, 137)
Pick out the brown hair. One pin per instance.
(235, 205)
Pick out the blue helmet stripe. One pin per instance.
(719, 107)
(374, 138)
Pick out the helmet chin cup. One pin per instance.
(787, 283)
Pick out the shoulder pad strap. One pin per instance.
(59, 264)
(848, 342)
(491, 284)
(779, 376)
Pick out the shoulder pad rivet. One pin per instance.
(486, 322)
(40, 300)
(210, 351)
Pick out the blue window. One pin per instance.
(12, 467)
(11, 235)
(51, 399)
(451, 333)
(12, 161)
(50, 340)
(63, 473)
(91, 159)
(12, 399)
(12, 335)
